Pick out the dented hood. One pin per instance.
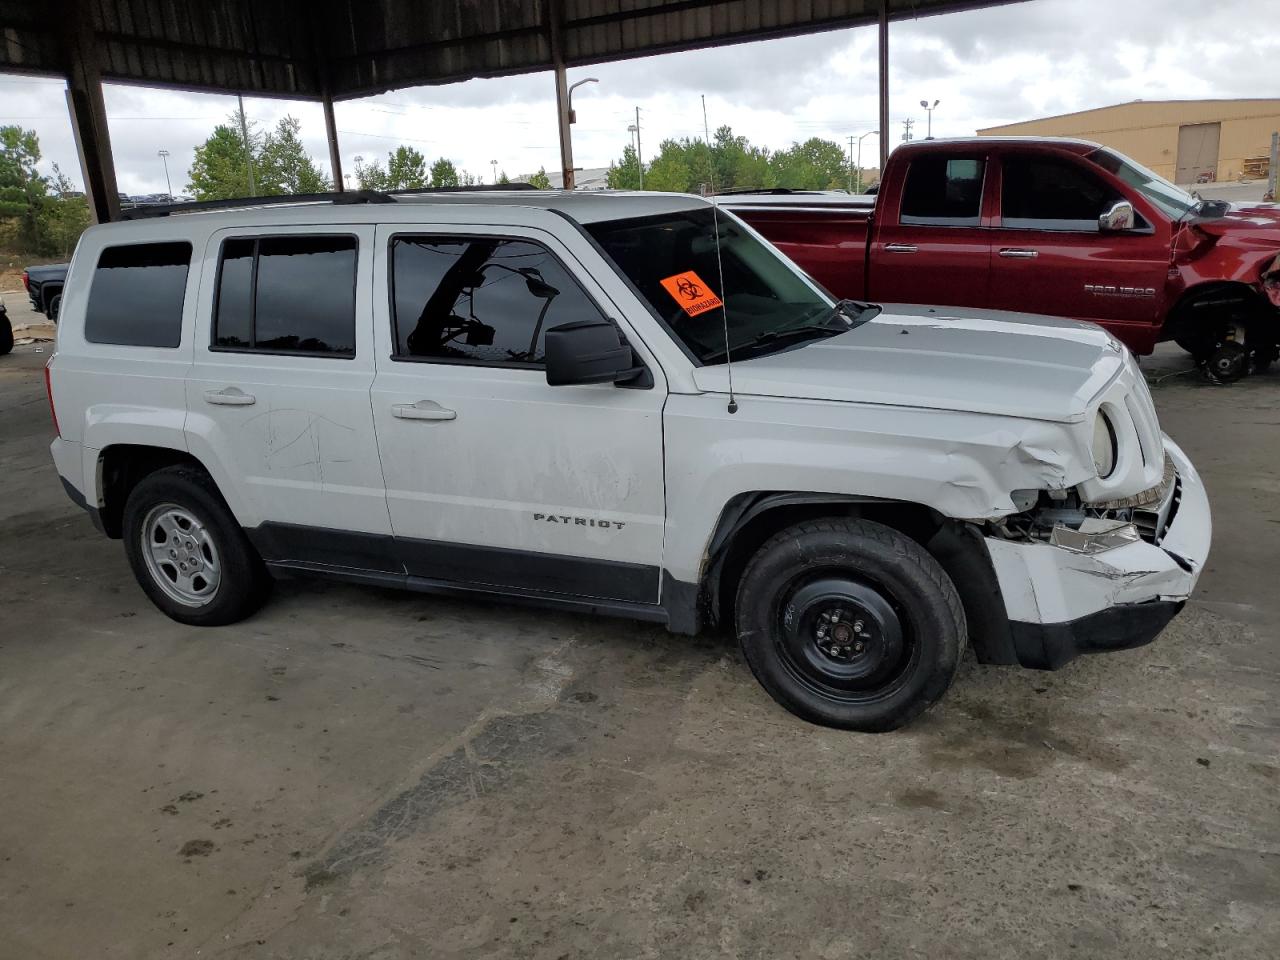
(1255, 220)
(944, 358)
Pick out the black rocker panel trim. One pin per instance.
(493, 569)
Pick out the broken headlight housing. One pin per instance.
(1105, 447)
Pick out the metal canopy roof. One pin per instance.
(352, 48)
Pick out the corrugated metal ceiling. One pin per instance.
(359, 47)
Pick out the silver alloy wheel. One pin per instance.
(180, 554)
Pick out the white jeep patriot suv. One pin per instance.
(529, 395)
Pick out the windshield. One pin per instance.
(670, 258)
(1174, 201)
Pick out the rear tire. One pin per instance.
(850, 624)
(54, 306)
(188, 553)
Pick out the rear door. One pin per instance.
(931, 244)
(495, 479)
(278, 394)
(1050, 256)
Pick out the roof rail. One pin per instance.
(148, 211)
(770, 191)
(237, 203)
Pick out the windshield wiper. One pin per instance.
(808, 331)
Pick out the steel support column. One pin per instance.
(89, 112)
(884, 84)
(331, 131)
(554, 16)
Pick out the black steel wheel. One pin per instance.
(850, 624)
(6, 334)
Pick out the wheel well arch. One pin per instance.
(1214, 298)
(121, 466)
(750, 519)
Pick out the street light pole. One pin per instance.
(494, 164)
(164, 157)
(248, 153)
(567, 118)
(635, 128)
(869, 133)
(929, 110)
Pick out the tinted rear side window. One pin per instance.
(943, 190)
(137, 295)
(480, 299)
(287, 295)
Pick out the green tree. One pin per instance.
(406, 169)
(220, 168)
(61, 217)
(540, 179)
(283, 165)
(444, 173)
(816, 164)
(625, 175)
(372, 176)
(503, 178)
(22, 189)
(669, 170)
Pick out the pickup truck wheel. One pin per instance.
(54, 306)
(6, 335)
(187, 551)
(850, 624)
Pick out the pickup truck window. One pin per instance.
(137, 295)
(943, 191)
(768, 305)
(1174, 201)
(1045, 193)
(481, 300)
(290, 295)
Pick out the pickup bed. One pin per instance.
(1060, 227)
(44, 287)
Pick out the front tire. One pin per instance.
(188, 553)
(850, 624)
(6, 334)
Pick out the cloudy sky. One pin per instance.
(986, 67)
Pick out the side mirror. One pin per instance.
(588, 351)
(1119, 217)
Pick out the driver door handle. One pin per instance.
(900, 248)
(229, 397)
(422, 410)
(1018, 253)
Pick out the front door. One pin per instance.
(1049, 256)
(495, 479)
(278, 393)
(933, 248)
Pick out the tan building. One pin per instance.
(1183, 140)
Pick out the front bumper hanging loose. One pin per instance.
(1062, 602)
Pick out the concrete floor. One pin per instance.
(359, 773)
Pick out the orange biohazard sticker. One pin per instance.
(688, 290)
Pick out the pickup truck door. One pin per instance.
(496, 480)
(929, 242)
(1050, 256)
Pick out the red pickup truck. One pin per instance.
(1060, 227)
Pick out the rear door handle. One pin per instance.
(422, 410)
(1017, 253)
(229, 397)
(900, 248)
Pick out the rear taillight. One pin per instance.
(26, 281)
(48, 388)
